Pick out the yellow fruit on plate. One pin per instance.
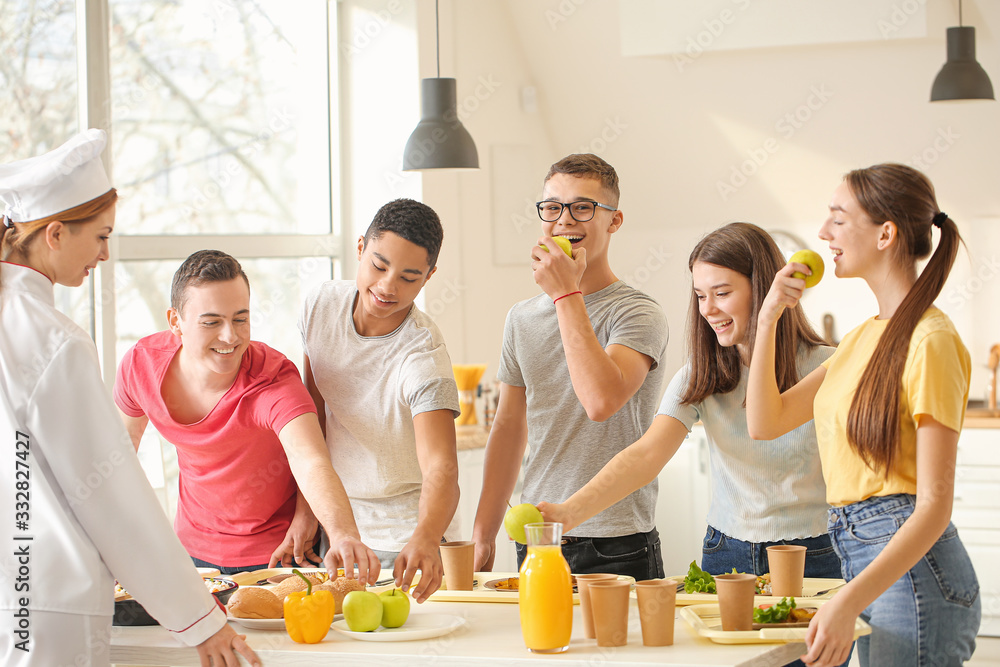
(395, 608)
(362, 611)
(811, 259)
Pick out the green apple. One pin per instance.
(362, 611)
(395, 608)
(516, 517)
(563, 243)
(811, 259)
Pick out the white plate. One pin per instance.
(418, 626)
(266, 623)
(260, 623)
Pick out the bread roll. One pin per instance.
(340, 587)
(249, 602)
(291, 585)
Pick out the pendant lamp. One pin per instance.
(440, 141)
(962, 77)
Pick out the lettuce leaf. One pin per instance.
(698, 581)
(775, 613)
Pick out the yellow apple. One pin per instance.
(815, 263)
(563, 243)
(516, 518)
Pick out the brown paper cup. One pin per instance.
(583, 582)
(657, 599)
(609, 608)
(787, 564)
(458, 558)
(736, 600)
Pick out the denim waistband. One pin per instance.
(869, 507)
(638, 537)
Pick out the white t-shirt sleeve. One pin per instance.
(671, 404)
(428, 382)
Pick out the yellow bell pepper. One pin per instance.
(308, 615)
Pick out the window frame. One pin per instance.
(94, 110)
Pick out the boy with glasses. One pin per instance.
(580, 380)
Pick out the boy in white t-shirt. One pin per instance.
(379, 372)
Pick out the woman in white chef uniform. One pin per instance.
(75, 508)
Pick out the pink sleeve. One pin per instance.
(284, 399)
(123, 387)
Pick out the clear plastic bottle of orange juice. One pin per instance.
(545, 591)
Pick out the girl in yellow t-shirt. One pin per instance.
(888, 407)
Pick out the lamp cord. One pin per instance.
(959, 13)
(437, 34)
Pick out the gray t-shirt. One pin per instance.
(762, 490)
(565, 448)
(373, 386)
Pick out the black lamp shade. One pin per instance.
(962, 78)
(440, 141)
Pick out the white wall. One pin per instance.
(676, 132)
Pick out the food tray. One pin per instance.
(810, 587)
(253, 578)
(705, 622)
(480, 593)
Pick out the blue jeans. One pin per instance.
(931, 615)
(228, 570)
(721, 553)
(637, 555)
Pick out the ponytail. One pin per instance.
(904, 196)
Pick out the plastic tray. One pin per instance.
(810, 586)
(705, 622)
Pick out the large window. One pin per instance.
(269, 129)
(38, 74)
(220, 116)
(221, 126)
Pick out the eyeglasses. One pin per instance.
(581, 211)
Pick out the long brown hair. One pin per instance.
(21, 234)
(750, 251)
(903, 195)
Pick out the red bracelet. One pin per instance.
(566, 295)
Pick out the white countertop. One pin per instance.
(492, 635)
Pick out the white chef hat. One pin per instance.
(59, 180)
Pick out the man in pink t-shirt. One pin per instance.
(245, 429)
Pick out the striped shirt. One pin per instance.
(762, 490)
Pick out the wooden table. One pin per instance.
(492, 635)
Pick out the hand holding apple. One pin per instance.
(559, 513)
(562, 242)
(553, 273)
(815, 263)
(516, 518)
